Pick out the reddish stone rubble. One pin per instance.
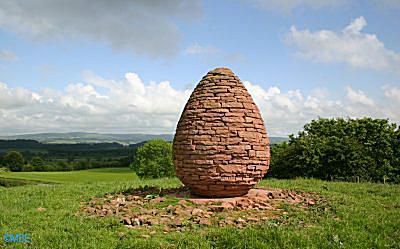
(221, 147)
(179, 209)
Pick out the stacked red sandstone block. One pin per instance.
(221, 147)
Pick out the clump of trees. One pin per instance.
(154, 160)
(340, 149)
(14, 161)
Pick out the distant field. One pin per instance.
(359, 216)
(81, 176)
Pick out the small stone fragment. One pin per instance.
(216, 208)
(177, 222)
(253, 219)
(41, 209)
(127, 221)
(136, 222)
(182, 202)
(157, 200)
(204, 221)
(197, 212)
(240, 221)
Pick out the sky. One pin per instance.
(130, 66)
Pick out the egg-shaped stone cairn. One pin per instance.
(221, 147)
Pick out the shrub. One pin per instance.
(154, 160)
(38, 163)
(64, 166)
(28, 168)
(80, 165)
(344, 149)
(14, 161)
(3, 169)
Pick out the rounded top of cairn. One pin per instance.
(221, 70)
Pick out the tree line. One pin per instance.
(15, 161)
(363, 149)
(30, 155)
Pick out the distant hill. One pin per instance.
(276, 140)
(85, 137)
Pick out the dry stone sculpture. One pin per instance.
(221, 147)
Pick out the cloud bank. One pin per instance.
(351, 46)
(143, 27)
(131, 105)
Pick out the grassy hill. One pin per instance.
(360, 215)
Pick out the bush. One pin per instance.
(28, 168)
(344, 149)
(80, 165)
(154, 160)
(14, 161)
(3, 169)
(38, 163)
(64, 166)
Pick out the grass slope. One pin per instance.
(361, 216)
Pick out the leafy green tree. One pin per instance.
(80, 165)
(64, 166)
(14, 161)
(28, 168)
(340, 149)
(38, 163)
(154, 160)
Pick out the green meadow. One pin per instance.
(79, 176)
(355, 215)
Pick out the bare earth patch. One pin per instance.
(178, 209)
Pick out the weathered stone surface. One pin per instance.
(221, 147)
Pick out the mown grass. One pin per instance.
(356, 216)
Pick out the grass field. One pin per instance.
(360, 216)
(82, 176)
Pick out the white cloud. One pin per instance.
(286, 6)
(350, 46)
(392, 92)
(358, 97)
(130, 105)
(143, 27)
(196, 49)
(7, 55)
(287, 112)
(213, 54)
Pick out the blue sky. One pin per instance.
(61, 60)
